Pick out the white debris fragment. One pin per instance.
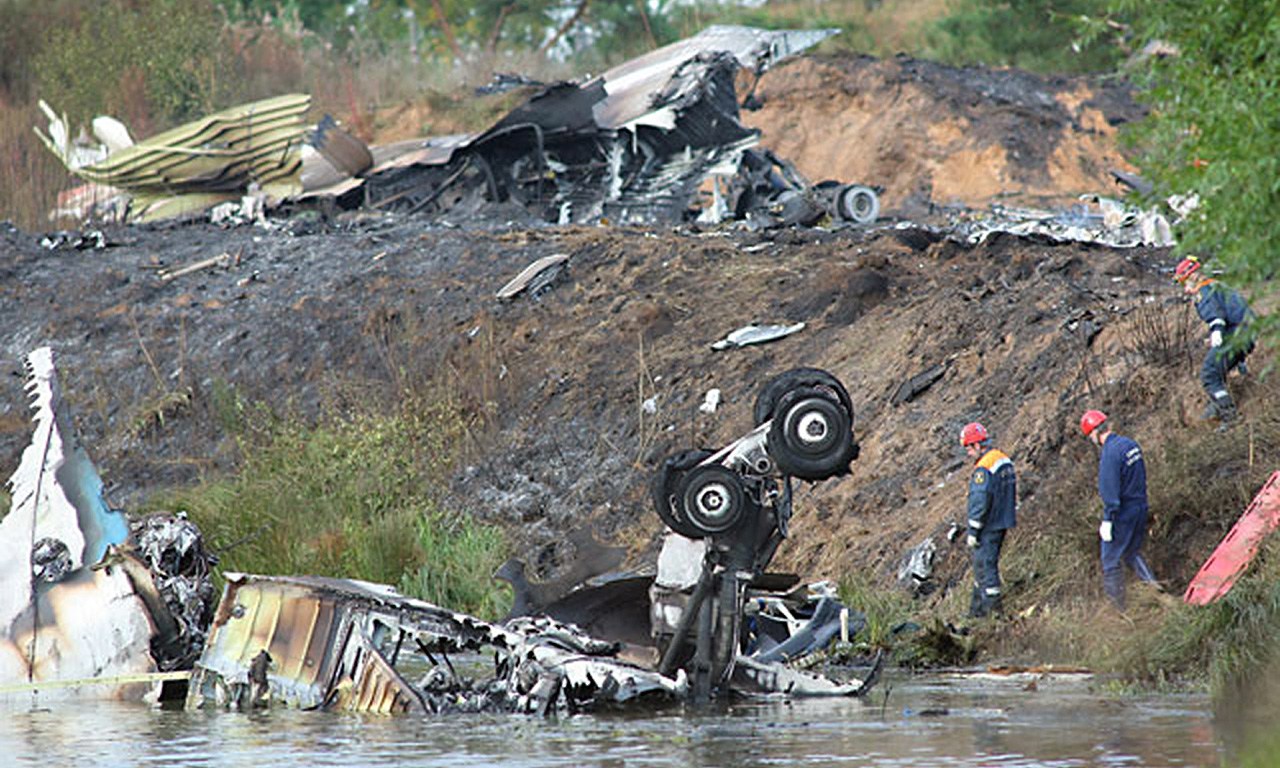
(711, 401)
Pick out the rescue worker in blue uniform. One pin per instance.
(1228, 316)
(1122, 484)
(993, 490)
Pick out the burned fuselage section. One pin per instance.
(321, 643)
(633, 145)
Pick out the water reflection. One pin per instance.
(925, 722)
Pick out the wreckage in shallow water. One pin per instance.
(82, 613)
(90, 607)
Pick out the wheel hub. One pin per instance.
(712, 501)
(813, 427)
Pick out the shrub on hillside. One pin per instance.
(151, 58)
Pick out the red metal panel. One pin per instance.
(1228, 561)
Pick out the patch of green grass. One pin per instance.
(355, 495)
(460, 555)
(884, 609)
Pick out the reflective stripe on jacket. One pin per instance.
(1122, 479)
(1221, 307)
(993, 490)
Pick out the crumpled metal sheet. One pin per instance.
(56, 494)
(756, 334)
(196, 165)
(1095, 220)
(172, 548)
(334, 643)
(917, 565)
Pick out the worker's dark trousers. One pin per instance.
(1127, 535)
(986, 573)
(1213, 372)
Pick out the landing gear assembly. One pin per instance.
(729, 510)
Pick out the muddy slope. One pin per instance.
(565, 374)
(1027, 333)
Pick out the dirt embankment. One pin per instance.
(936, 135)
(1029, 333)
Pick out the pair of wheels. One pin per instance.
(810, 436)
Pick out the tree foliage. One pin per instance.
(161, 52)
(1215, 126)
(475, 28)
(1038, 35)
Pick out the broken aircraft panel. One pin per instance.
(197, 165)
(80, 612)
(335, 644)
(631, 145)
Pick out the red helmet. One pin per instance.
(1186, 268)
(973, 432)
(1090, 421)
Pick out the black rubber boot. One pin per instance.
(977, 606)
(1226, 411)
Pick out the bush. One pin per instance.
(356, 496)
(1038, 35)
(151, 58)
(1212, 129)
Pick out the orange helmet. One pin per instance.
(1186, 268)
(1090, 421)
(973, 432)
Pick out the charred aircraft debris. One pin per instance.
(634, 145)
(631, 146)
(93, 607)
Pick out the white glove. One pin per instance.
(1104, 530)
(1215, 339)
(972, 541)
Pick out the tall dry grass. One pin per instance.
(30, 177)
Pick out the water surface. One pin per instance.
(935, 720)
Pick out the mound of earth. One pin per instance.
(932, 134)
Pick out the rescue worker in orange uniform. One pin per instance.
(1228, 316)
(992, 510)
(1122, 484)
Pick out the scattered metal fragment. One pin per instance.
(914, 386)
(1095, 220)
(756, 334)
(917, 567)
(88, 239)
(221, 260)
(710, 401)
(536, 277)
